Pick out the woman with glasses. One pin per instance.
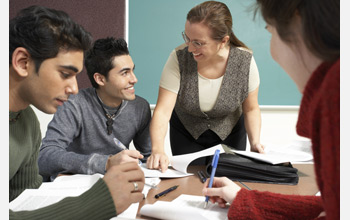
(208, 90)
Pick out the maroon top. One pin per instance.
(319, 120)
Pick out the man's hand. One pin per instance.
(120, 180)
(124, 157)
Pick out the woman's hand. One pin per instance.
(223, 191)
(158, 161)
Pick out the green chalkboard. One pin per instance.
(155, 28)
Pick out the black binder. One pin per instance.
(244, 169)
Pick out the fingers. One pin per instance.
(217, 182)
(153, 161)
(125, 156)
(136, 197)
(134, 154)
(125, 183)
(164, 163)
(136, 186)
(213, 192)
(261, 148)
(158, 161)
(221, 202)
(258, 148)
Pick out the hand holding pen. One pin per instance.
(222, 190)
(214, 164)
(123, 156)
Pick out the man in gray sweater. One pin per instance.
(92, 130)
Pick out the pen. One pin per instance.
(165, 192)
(201, 176)
(122, 146)
(244, 185)
(119, 144)
(214, 164)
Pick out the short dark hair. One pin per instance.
(99, 59)
(320, 23)
(44, 32)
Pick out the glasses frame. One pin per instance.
(195, 43)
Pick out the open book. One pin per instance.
(184, 207)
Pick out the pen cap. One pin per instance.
(216, 158)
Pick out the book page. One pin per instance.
(181, 162)
(184, 207)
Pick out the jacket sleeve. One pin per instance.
(265, 205)
(28, 171)
(96, 203)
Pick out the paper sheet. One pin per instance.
(169, 173)
(297, 151)
(180, 163)
(192, 207)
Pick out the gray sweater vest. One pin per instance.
(228, 107)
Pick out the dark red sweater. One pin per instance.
(319, 120)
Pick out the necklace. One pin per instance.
(110, 117)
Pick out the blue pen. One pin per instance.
(214, 164)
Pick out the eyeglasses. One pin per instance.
(195, 43)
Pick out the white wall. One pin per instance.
(278, 125)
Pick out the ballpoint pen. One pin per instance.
(201, 176)
(165, 192)
(214, 164)
(119, 144)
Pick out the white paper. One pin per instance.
(180, 163)
(169, 173)
(184, 207)
(297, 151)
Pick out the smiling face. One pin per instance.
(55, 80)
(119, 85)
(201, 33)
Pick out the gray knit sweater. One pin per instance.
(76, 140)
